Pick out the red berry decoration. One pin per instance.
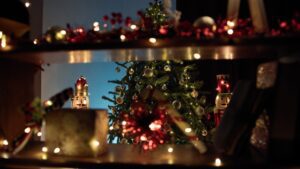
(145, 127)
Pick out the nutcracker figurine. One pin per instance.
(80, 99)
(223, 97)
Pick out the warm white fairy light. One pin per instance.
(197, 56)
(5, 142)
(39, 134)
(35, 41)
(96, 26)
(122, 37)
(124, 123)
(27, 4)
(143, 138)
(111, 128)
(45, 149)
(230, 31)
(56, 150)
(152, 40)
(27, 130)
(218, 162)
(48, 103)
(188, 130)
(231, 24)
(3, 41)
(63, 32)
(170, 149)
(133, 27)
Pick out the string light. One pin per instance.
(44, 149)
(27, 4)
(48, 103)
(218, 162)
(152, 40)
(96, 26)
(27, 130)
(231, 24)
(3, 40)
(133, 27)
(170, 150)
(124, 123)
(56, 150)
(122, 37)
(5, 142)
(39, 134)
(188, 130)
(35, 41)
(197, 56)
(230, 31)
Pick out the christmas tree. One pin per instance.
(177, 82)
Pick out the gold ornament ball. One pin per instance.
(176, 104)
(148, 72)
(164, 87)
(119, 100)
(194, 93)
(167, 68)
(204, 22)
(204, 133)
(131, 71)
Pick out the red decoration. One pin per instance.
(222, 99)
(222, 29)
(145, 127)
(81, 82)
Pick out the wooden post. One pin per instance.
(258, 15)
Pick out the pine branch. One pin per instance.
(108, 99)
(122, 64)
(116, 82)
(114, 93)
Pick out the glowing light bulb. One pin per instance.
(39, 134)
(152, 40)
(44, 149)
(63, 32)
(124, 123)
(111, 128)
(27, 4)
(48, 103)
(35, 41)
(143, 138)
(230, 24)
(230, 31)
(3, 41)
(5, 142)
(56, 150)
(133, 27)
(188, 130)
(218, 162)
(170, 150)
(122, 37)
(27, 130)
(197, 56)
(96, 26)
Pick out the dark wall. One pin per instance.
(276, 9)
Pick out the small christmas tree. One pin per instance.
(175, 79)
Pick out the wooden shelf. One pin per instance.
(125, 156)
(163, 49)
